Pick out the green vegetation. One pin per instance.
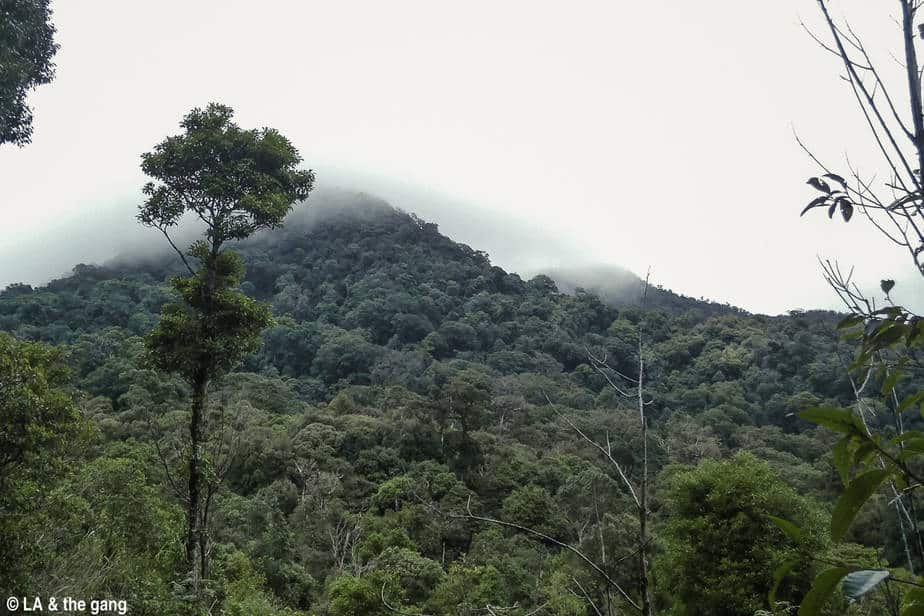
(401, 386)
(355, 415)
(720, 545)
(880, 449)
(26, 50)
(236, 182)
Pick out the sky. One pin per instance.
(640, 134)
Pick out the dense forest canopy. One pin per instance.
(404, 385)
(326, 407)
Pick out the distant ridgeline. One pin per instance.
(621, 288)
(366, 294)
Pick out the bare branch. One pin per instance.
(586, 596)
(177, 250)
(605, 451)
(859, 87)
(567, 546)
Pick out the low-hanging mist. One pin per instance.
(111, 234)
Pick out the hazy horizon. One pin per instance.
(525, 251)
(632, 136)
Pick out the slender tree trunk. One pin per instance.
(196, 514)
(194, 554)
(644, 582)
(204, 532)
(914, 84)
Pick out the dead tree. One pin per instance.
(639, 599)
(634, 391)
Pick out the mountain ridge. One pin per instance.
(614, 285)
(400, 360)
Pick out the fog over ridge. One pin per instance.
(547, 138)
(517, 245)
(110, 233)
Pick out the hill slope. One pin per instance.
(402, 362)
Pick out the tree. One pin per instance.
(236, 182)
(39, 422)
(26, 50)
(888, 336)
(632, 388)
(720, 546)
(39, 414)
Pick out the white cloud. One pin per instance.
(639, 133)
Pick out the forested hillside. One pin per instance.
(406, 388)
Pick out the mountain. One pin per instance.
(404, 375)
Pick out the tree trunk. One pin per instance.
(196, 514)
(194, 554)
(914, 85)
(644, 582)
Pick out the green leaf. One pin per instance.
(910, 401)
(864, 452)
(890, 382)
(914, 609)
(913, 603)
(916, 332)
(860, 361)
(888, 334)
(858, 583)
(846, 208)
(852, 335)
(841, 455)
(857, 493)
(822, 588)
(792, 531)
(907, 435)
(817, 202)
(778, 574)
(911, 447)
(839, 420)
(836, 178)
(886, 286)
(819, 184)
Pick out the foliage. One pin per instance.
(354, 428)
(239, 181)
(720, 545)
(41, 427)
(873, 458)
(26, 50)
(236, 182)
(40, 417)
(210, 331)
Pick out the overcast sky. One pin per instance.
(633, 133)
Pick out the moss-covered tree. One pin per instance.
(235, 182)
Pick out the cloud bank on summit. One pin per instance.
(629, 135)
